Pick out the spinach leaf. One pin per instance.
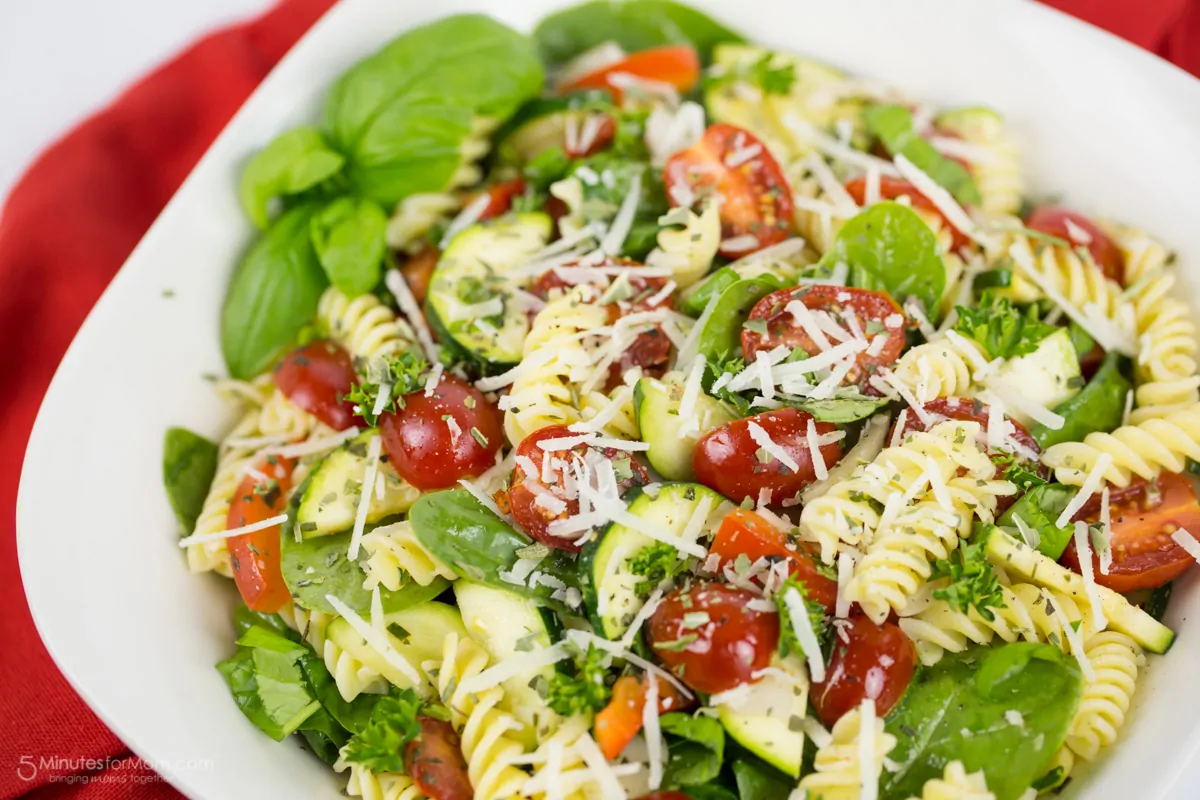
(1039, 508)
(477, 544)
(348, 235)
(1156, 603)
(403, 115)
(633, 25)
(963, 708)
(189, 463)
(712, 791)
(889, 248)
(756, 780)
(267, 682)
(294, 162)
(839, 410)
(273, 295)
(244, 619)
(1000, 329)
(1099, 406)
(722, 331)
(323, 736)
(696, 748)
(1081, 340)
(333, 573)
(893, 125)
(353, 715)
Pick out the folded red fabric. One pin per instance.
(69, 225)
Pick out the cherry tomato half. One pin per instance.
(1053, 220)
(316, 378)
(254, 556)
(711, 637)
(577, 145)
(500, 197)
(618, 722)
(746, 533)
(872, 661)
(891, 188)
(432, 442)
(873, 314)
(730, 461)
(756, 203)
(1144, 556)
(435, 762)
(534, 503)
(677, 65)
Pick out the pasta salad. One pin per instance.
(632, 410)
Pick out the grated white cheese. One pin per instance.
(653, 733)
(398, 286)
(814, 448)
(364, 500)
(1030, 535)
(830, 146)
(379, 641)
(691, 393)
(433, 379)
(313, 446)
(867, 774)
(764, 440)
(1077, 234)
(1090, 484)
(465, 219)
(514, 665)
(1073, 638)
(582, 639)
(1083, 548)
(482, 496)
(886, 376)
(816, 731)
(1184, 539)
(802, 627)
(201, 538)
(845, 572)
(898, 431)
(614, 238)
(739, 244)
(610, 784)
(641, 616)
(1105, 554)
(941, 198)
(1014, 717)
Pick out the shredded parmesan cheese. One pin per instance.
(1083, 547)
(201, 538)
(805, 635)
(1090, 484)
(867, 774)
(379, 641)
(364, 500)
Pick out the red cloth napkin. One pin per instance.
(69, 225)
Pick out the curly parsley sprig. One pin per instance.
(588, 690)
(973, 581)
(402, 374)
(394, 722)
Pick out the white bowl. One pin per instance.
(1106, 124)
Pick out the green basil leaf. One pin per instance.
(893, 125)
(402, 116)
(722, 331)
(712, 791)
(293, 162)
(889, 248)
(323, 736)
(961, 710)
(1039, 508)
(273, 295)
(478, 545)
(269, 685)
(756, 780)
(239, 674)
(696, 747)
(633, 25)
(189, 463)
(839, 410)
(1099, 406)
(348, 235)
(244, 619)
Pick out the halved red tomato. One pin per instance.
(755, 201)
(1144, 556)
(1063, 222)
(868, 661)
(746, 533)
(435, 761)
(417, 269)
(891, 188)
(254, 556)
(857, 311)
(535, 503)
(500, 197)
(584, 142)
(316, 378)
(677, 65)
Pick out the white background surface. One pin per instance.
(60, 60)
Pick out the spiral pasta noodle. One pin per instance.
(1165, 368)
(571, 773)
(957, 784)
(377, 785)
(281, 417)
(836, 774)
(998, 173)
(1144, 449)
(310, 625)
(689, 251)
(818, 225)
(393, 551)
(1028, 614)
(1142, 253)
(942, 368)
(416, 215)
(482, 726)
(350, 673)
(851, 510)
(1114, 657)
(364, 326)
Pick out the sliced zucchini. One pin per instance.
(695, 298)
(331, 496)
(609, 587)
(541, 124)
(417, 634)
(768, 720)
(973, 123)
(671, 439)
(476, 269)
(1016, 557)
(1048, 376)
(510, 626)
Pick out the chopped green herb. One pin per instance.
(788, 643)
(585, 691)
(1000, 329)
(656, 563)
(972, 580)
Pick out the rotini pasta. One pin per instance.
(689, 251)
(836, 773)
(393, 551)
(1143, 449)
(1165, 368)
(945, 367)
(310, 625)
(281, 417)
(1115, 658)
(956, 784)
(369, 785)
(364, 326)
(416, 215)
(997, 169)
(558, 758)
(483, 727)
